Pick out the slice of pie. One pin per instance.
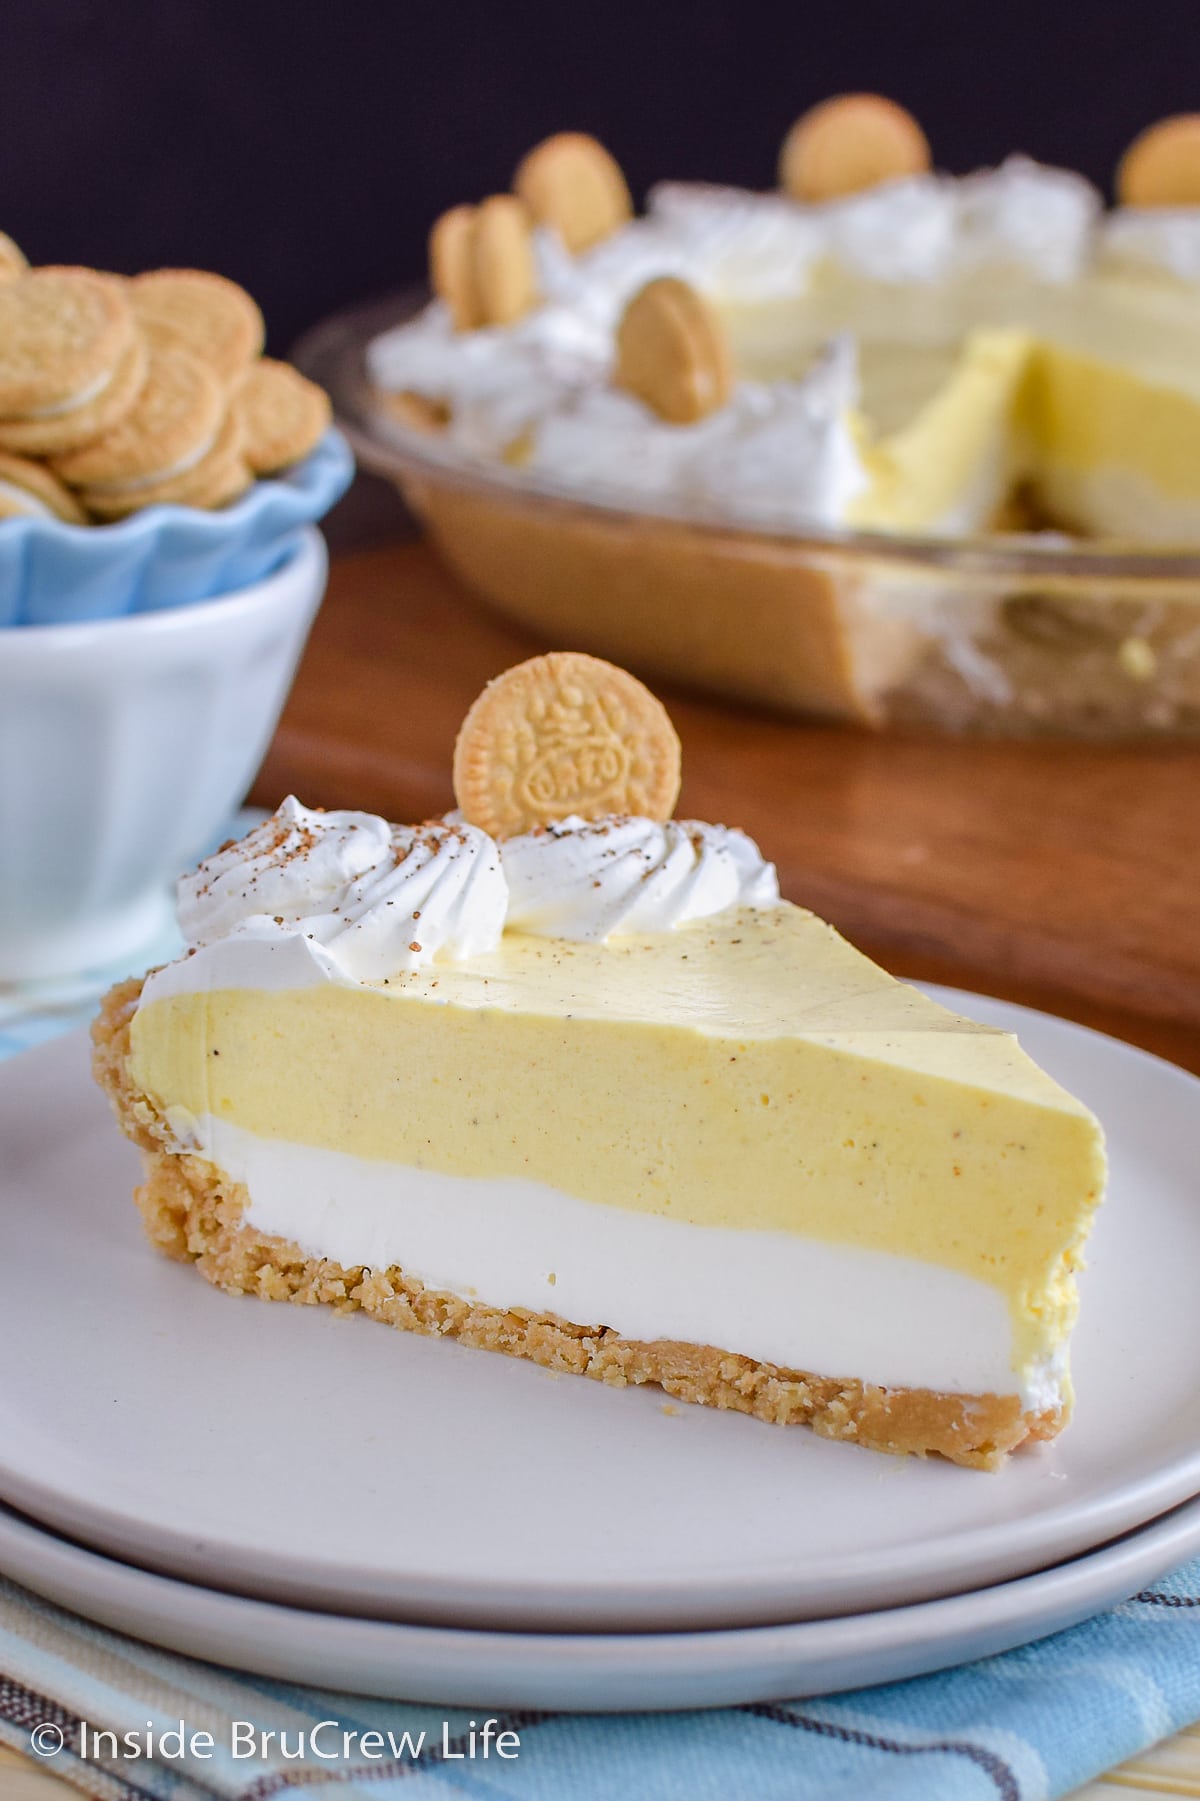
(566, 1078)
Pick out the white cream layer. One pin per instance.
(73, 402)
(794, 1302)
(134, 484)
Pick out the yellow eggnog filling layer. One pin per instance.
(1088, 415)
(753, 1072)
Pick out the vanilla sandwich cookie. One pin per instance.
(172, 425)
(283, 415)
(62, 430)
(30, 490)
(213, 479)
(207, 315)
(63, 333)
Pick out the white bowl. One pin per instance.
(124, 745)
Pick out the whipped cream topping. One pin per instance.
(538, 392)
(597, 878)
(378, 899)
(1159, 237)
(597, 285)
(368, 901)
(922, 228)
(738, 246)
(782, 452)
(1029, 216)
(900, 231)
(296, 862)
(498, 380)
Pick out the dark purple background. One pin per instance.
(303, 146)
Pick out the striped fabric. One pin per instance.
(1027, 1726)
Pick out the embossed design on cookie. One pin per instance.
(564, 735)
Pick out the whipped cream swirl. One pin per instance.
(378, 899)
(369, 901)
(593, 879)
(781, 453)
(295, 863)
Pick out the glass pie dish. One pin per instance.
(1007, 634)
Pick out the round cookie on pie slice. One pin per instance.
(563, 734)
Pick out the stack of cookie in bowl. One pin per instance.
(119, 394)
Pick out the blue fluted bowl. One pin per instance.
(57, 574)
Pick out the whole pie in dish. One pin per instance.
(873, 345)
(563, 1076)
(881, 444)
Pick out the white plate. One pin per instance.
(602, 1672)
(325, 1462)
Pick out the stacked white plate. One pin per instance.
(314, 1498)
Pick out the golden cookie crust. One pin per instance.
(62, 331)
(207, 315)
(176, 416)
(13, 261)
(283, 415)
(1162, 165)
(564, 734)
(80, 425)
(43, 485)
(850, 143)
(673, 352)
(570, 181)
(218, 477)
(191, 1211)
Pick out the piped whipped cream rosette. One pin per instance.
(998, 340)
(365, 901)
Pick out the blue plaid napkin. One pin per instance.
(1026, 1726)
